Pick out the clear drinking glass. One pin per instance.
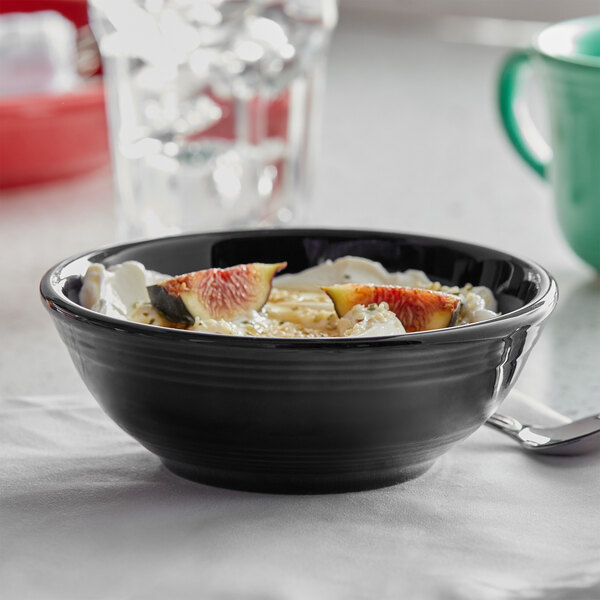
(214, 109)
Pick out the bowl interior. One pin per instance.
(515, 282)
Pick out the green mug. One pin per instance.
(567, 58)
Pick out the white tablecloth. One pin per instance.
(87, 513)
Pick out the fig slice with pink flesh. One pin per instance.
(215, 293)
(417, 309)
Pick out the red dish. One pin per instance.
(46, 136)
(74, 10)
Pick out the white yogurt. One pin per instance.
(116, 291)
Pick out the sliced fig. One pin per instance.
(417, 309)
(215, 293)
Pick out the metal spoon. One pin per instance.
(577, 437)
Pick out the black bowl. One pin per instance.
(303, 415)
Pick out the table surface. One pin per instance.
(411, 142)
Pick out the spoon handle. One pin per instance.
(506, 424)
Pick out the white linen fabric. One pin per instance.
(87, 513)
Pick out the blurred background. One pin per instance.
(409, 141)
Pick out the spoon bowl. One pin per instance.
(577, 437)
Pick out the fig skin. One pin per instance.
(215, 293)
(417, 309)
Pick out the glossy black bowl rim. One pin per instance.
(542, 303)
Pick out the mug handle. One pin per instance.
(515, 115)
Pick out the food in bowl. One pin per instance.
(348, 297)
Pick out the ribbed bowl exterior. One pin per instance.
(299, 416)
